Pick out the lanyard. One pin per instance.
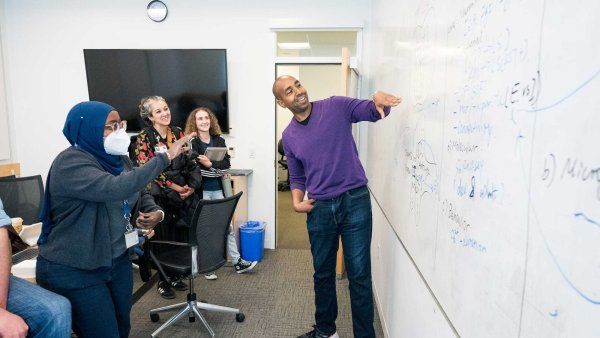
(127, 215)
(169, 139)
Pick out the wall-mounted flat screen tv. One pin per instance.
(186, 78)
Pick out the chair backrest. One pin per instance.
(22, 197)
(208, 232)
(282, 161)
(131, 150)
(280, 148)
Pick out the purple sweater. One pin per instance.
(321, 156)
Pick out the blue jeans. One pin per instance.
(232, 248)
(100, 298)
(348, 216)
(47, 314)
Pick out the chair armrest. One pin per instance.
(161, 271)
(169, 243)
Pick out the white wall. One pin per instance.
(5, 154)
(45, 73)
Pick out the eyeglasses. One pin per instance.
(116, 126)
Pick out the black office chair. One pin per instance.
(205, 252)
(283, 186)
(22, 197)
(131, 149)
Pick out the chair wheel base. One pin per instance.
(240, 317)
(154, 317)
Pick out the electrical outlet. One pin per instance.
(252, 153)
(231, 152)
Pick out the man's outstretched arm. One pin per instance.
(368, 110)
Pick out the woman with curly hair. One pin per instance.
(204, 123)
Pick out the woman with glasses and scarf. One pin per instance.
(92, 191)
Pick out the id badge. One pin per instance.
(131, 238)
(160, 149)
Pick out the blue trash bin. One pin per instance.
(252, 239)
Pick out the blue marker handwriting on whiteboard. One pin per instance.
(573, 92)
(582, 215)
(585, 295)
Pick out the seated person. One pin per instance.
(204, 123)
(174, 188)
(27, 310)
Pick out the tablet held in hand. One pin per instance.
(215, 153)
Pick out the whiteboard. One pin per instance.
(489, 171)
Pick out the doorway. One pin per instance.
(321, 81)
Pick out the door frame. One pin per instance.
(278, 60)
(276, 131)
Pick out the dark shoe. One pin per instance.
(316, 334)
(243, 266)
(179, 285)
(164, 290)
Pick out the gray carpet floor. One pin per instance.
(291, 226)
(277, 298)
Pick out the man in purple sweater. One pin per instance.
(323, 161)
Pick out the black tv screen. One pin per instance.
(186, 78)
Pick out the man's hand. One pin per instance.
(12, 326)
(382, 100)
(148, 220)
(204, 161)
(188, 191)
(304, 206)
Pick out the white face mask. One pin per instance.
(117, 143)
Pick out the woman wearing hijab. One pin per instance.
(91, 191)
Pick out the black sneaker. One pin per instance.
(317, 334)
(179, 285)
(243, 266)
(164, 290)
